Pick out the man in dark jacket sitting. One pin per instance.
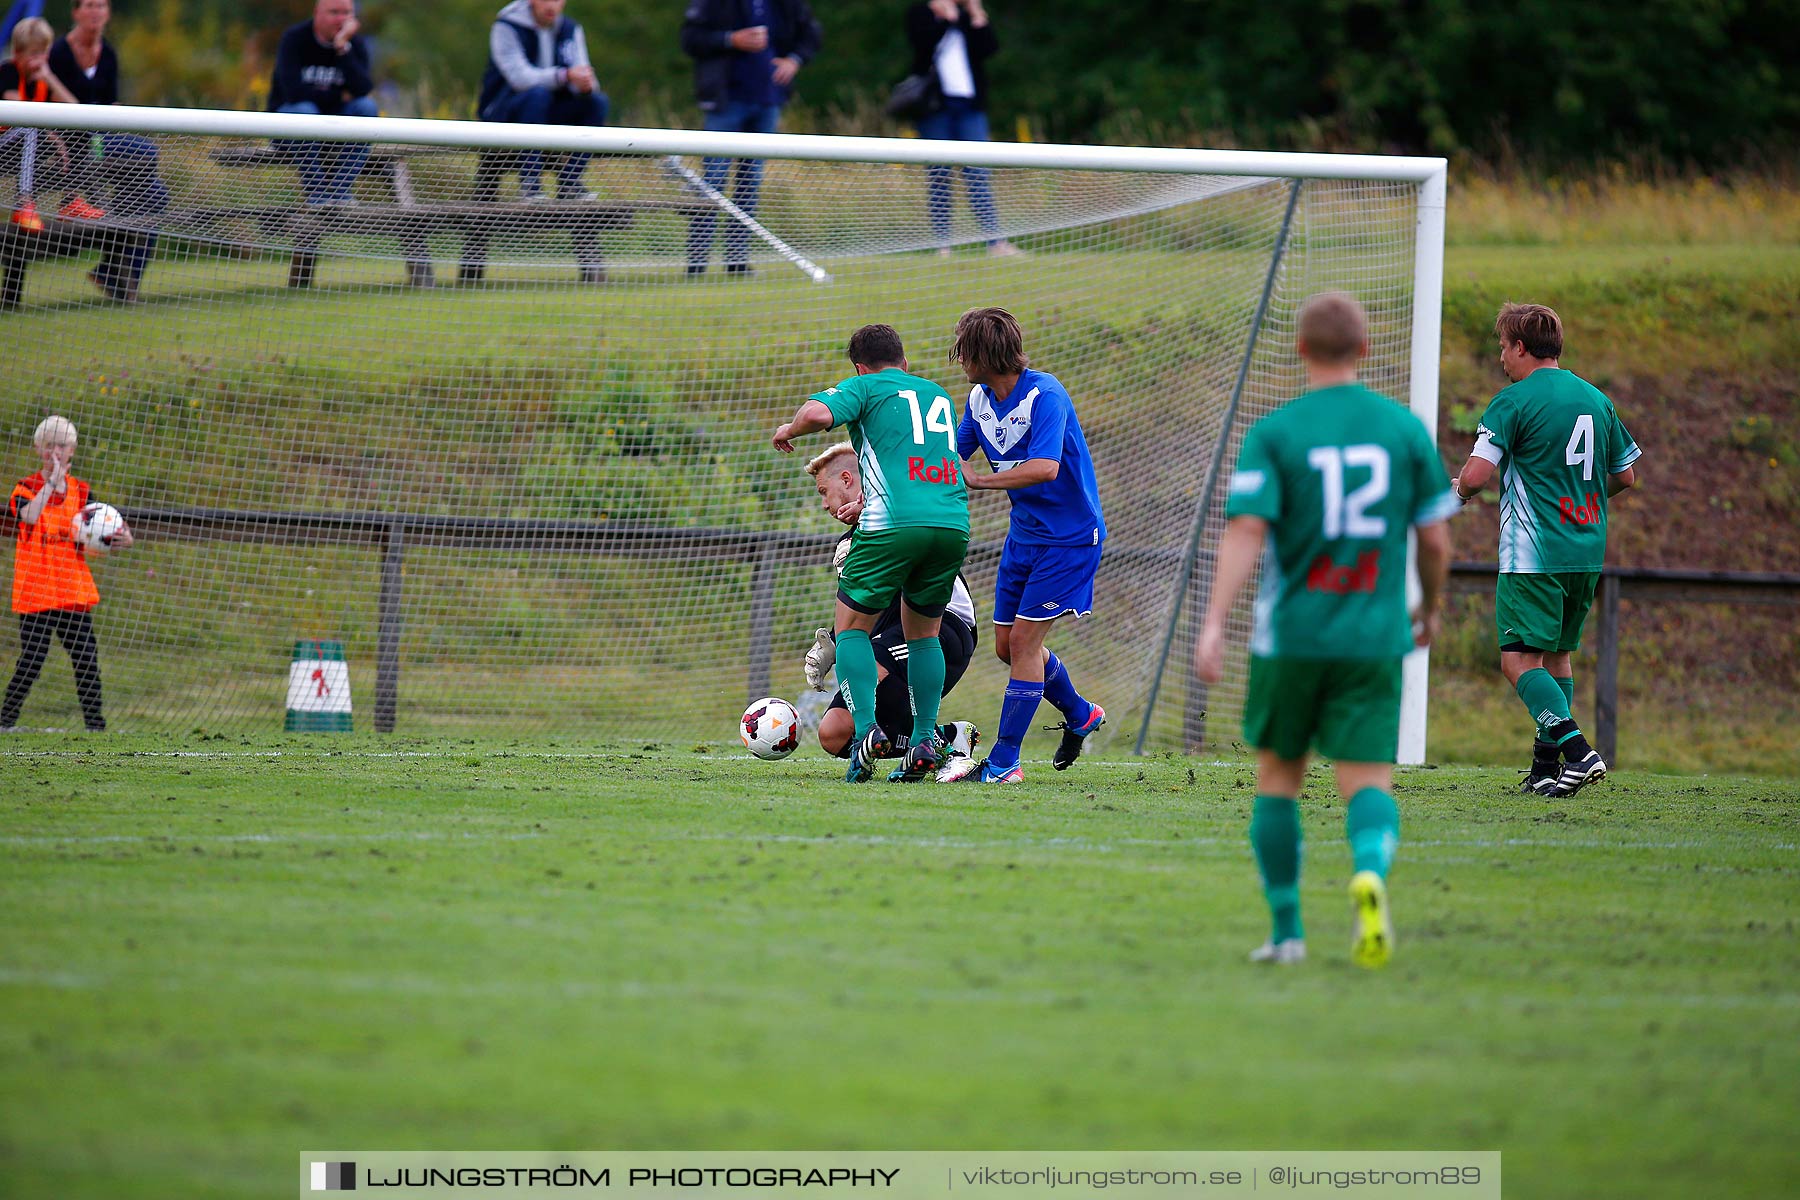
(322, 67)
(538, 74)
(746, 54)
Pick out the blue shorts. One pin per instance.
(1041, 583)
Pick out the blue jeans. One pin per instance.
(958, 121)
(330, 185)
(130, 163)
(547, 106)
(732, 117)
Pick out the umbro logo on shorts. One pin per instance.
(1051, 605)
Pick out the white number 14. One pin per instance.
(938, 419)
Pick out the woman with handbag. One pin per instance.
(951, 43)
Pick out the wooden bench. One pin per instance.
(387, 163)
(412, 223)
(479, 220)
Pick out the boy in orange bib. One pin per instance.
(52, 589)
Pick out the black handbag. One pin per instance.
(914, 97)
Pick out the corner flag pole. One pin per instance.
(723, 203)
(1183, 577)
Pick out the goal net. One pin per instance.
(451, 420)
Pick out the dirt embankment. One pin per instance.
(1720, 491)
(1720, 486)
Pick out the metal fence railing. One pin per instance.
(1652, 584)
(394, 533)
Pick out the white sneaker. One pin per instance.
(959, 768)
(1293, 950)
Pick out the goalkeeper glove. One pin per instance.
(820, 659)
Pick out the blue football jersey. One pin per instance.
(1037, 420)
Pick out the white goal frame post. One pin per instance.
(1429, 175)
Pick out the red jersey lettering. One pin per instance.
(918, 472)
(1324, 575)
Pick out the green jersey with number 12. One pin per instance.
(904, 431)
(1340, 474)
(1555, 439)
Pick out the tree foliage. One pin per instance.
(1702, 81)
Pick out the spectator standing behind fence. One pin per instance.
(53, 591)
(538, 73)
(952, 41)
(746, 54)
(322, 69)
(85, 63)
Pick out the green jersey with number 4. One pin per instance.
(1555, 439)
(904, 431)
(1340, 474)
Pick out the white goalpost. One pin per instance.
(542, 500)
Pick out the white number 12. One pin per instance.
(938, 418)
(1348, 516)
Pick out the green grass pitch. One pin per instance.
(216, 958)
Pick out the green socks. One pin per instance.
(1275, 836)
(1372, 824)
(1544, 700)
(856, 667)
(1568, 687)
(925, 680)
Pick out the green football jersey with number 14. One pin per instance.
(1555, 438)
(904, 431)
(1340, 474)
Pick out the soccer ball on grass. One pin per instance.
(770, 728)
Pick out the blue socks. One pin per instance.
(1060, 691)
(1019, 709)
(1016, 713)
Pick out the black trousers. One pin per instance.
(76, 630)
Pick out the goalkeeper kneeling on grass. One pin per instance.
(840, 490)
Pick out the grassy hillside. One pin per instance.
(1698, 347)
(532, 399)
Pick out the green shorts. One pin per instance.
(1543, 612)
(918, 563)
(1349, 708)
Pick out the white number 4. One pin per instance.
(1581, 446)
(1348, 516)
(938, 419)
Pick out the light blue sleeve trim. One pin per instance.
(1438, 509)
